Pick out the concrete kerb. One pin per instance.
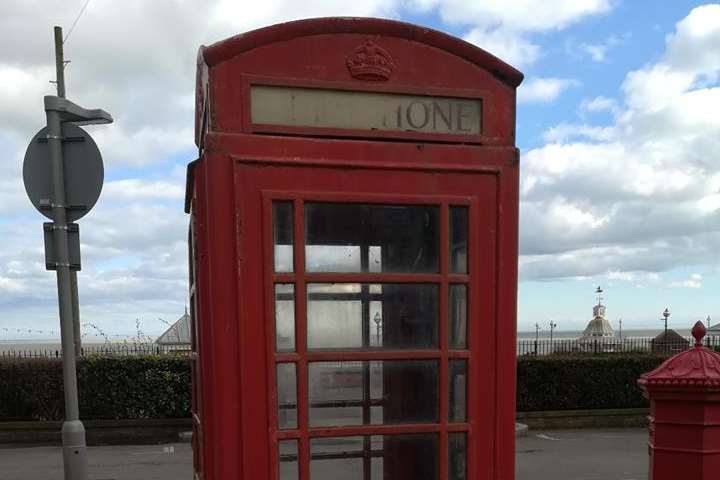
(574, 419)
(99, 432)
(153, 431)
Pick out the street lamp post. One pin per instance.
(553, 325)
(537, 337)
(666, 315)
(378, 321)
(709, 337)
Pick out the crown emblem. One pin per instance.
(370, 62)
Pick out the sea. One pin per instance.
(544, 334)
(31, 345)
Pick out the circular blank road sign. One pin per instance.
(83, 172)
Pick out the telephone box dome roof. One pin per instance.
(226, 49)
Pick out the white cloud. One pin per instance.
(17, 85)
(654, 88)
(655, 171)
(598, 52)
(135, 189)
(709, 203)
(422, 5)
(505, 28)
(600, 104)
(694, 281)
(522, 15)
(640, 278)
(566, 131)
(695, 44)
(510, 46)
(242, 17)
(543, 90)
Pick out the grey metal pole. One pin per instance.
(77, 340)
(73, 431)
(60, 82)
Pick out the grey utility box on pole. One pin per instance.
(63, 176)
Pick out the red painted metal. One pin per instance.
(244, 167)
(684, 393)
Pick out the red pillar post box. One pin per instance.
(353, 255)
(684, 394)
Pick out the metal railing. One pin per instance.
(109, 349)
(525, 347)
(529, 347)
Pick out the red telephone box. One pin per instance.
(353, 242)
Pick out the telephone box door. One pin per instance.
(375, 284)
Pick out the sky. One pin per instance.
(617, 123)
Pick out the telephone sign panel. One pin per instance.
(353, 255)
(313, 107)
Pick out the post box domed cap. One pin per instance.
(696, 368)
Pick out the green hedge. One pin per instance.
(158, 386)
(109, 388)
(582, 382)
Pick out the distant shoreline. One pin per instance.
(571, 334)
(24, 345)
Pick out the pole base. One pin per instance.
(74, 450)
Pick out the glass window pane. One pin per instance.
(285, 317)
(373, 392)
(287, 395)
(457, 373)
(458, 316)
(457, 456)
(283, 236)
(386, 456)
(336, 458)
(458, 239)
(348, 237)
(288, 460)
(362, 316)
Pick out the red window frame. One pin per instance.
(303, 433)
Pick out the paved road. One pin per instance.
(616, 454)
(619, 454)
(127, 462)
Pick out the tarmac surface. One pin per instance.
(119, 462)
(613, 454)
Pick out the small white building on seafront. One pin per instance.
(599, 335)
(177, 336)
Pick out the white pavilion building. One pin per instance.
(599, 335)
(177, 336)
